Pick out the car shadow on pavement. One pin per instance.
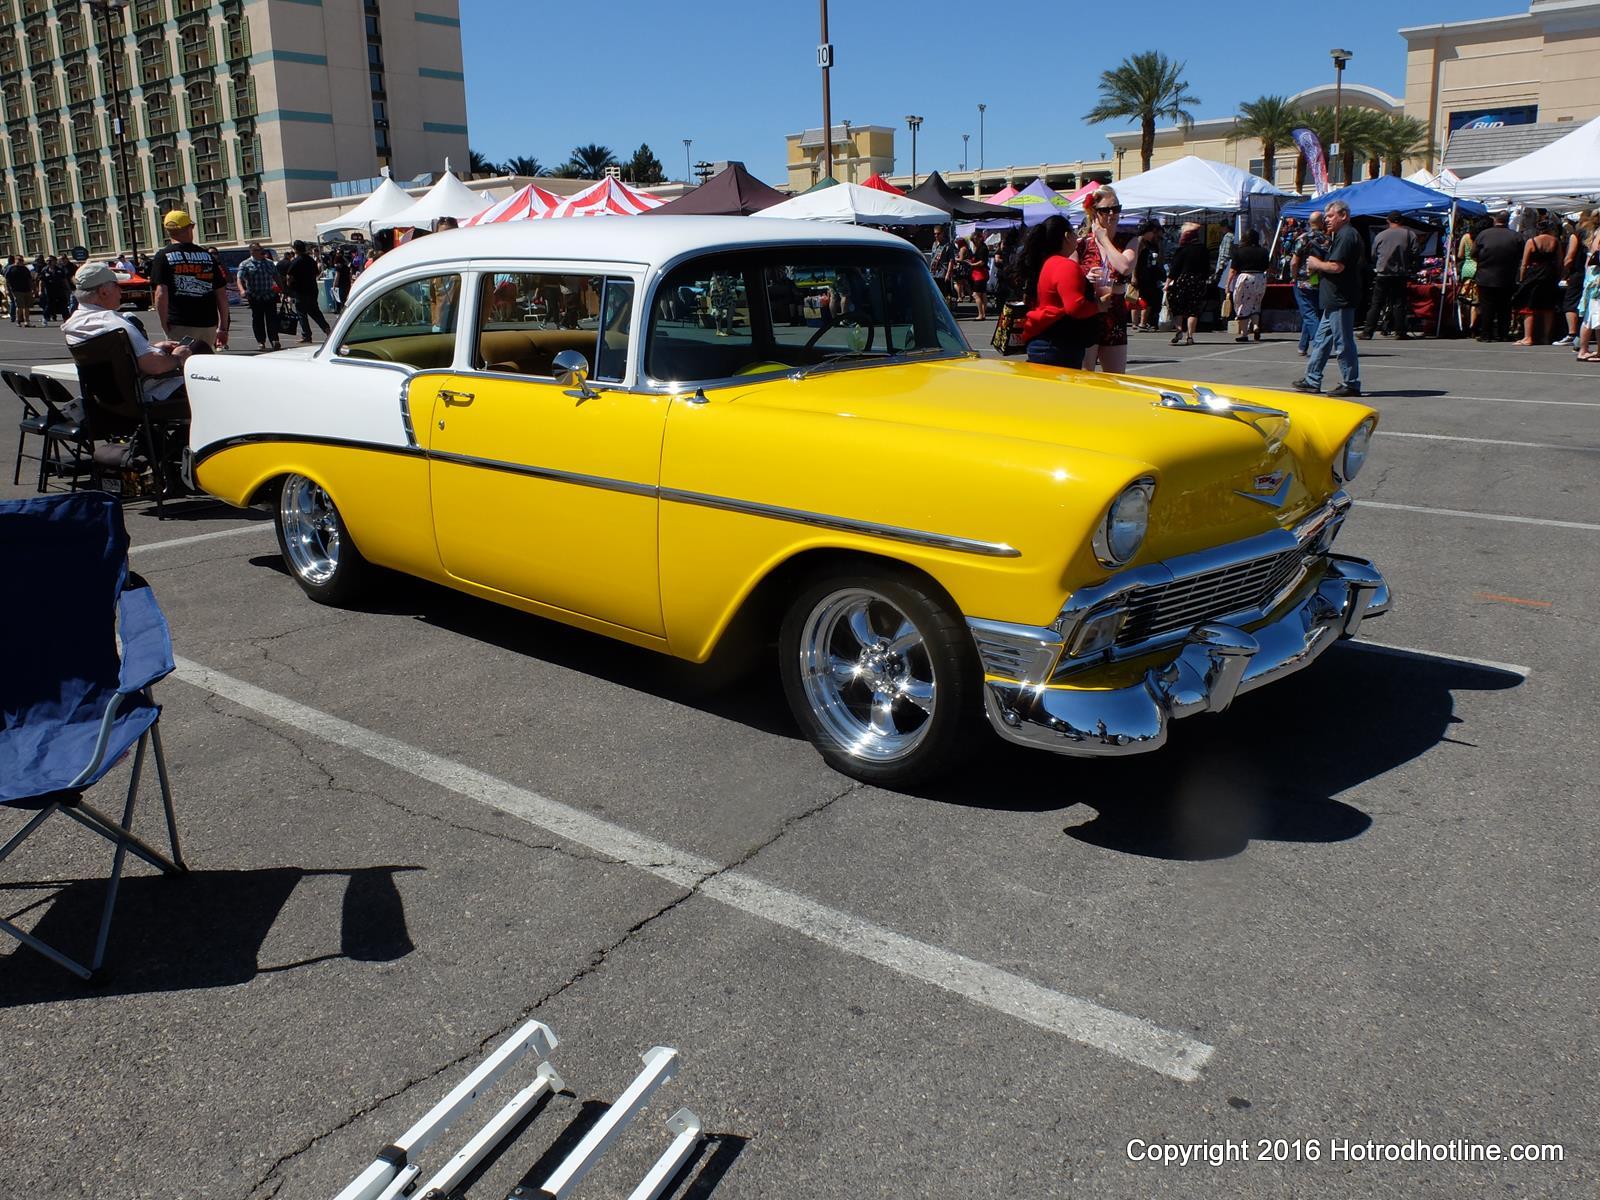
(202, 929)
(1270, 768)
(194, 508)
(742, 688)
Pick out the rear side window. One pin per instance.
(413, 324)
(526, 318)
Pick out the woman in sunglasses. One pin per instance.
(1107, 268)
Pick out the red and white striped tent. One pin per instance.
(609, 197)
(525, 204)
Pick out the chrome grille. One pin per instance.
(1185, 603)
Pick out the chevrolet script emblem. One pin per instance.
(1270, 489)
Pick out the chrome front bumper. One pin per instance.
(1215, 663)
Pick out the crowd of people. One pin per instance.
(1542, 280)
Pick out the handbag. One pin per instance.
(1008, 329)
(288, 315)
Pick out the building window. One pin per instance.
(85, 136)
(137, 233)
(185, 7)
(32, 8)
(236, 36)
(80, 86)
(195, 47)
(58, 185)
(69, 25)
(160, 114)
(52, 143)
(99, 232)
(153, 62)
(21, 147)
(214, 222)
(119, 59)
(27, 190)
(208, 166)
(377, 84)
(92, 180)
(253, 208)
(133, 175)
(63, 229)
(149, 12)
(202, 100)
(119, 28)
(10, 55)
(249, 151)
(165, 168)
(16, 106)
(39, 49)
(242, 89)
(32, 243)
(44, 92)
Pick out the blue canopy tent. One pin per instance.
(1384, 195)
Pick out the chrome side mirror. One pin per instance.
(572, 371)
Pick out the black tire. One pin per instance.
(914, 742)
(309, 527)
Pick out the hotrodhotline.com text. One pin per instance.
(1339, 1150)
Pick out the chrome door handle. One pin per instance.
(455, 398)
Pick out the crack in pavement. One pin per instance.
(597, 960)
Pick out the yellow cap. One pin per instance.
(176, 219)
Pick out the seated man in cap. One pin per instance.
(191, 287)
(160, 363)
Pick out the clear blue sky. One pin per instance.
(737, 75)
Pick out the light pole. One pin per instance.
(914, 123)
(978, 190)
(1340, 57)
(849, 154)
(105, 8)
(688, 172)
(965, 138)
(825, 61)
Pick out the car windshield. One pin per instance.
(779, 308)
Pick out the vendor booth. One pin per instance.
(853, 204)
(385, 200)
(935, 191)
(525, 204)
(731, 192)
(608, 198)
(1192, 187)
(447, 198)
(1566, 170)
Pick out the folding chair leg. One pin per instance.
(44, 948)
(107, 828)
(121, 857)
(166, 794)
(37, 820)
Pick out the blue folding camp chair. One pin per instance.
(71, 705)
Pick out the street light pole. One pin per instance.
(688, 171)
(1340, 57)
(914, 123)
(978, 189)
(965, 138)
(105, 9)
(825, 61)
(849, 154)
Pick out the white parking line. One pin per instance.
(1129, 1038)
(1502, 400)
(1448, 437)
(1480, 516)
(1434, 655)
(1378, 364)
(256, 527)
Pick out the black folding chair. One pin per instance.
(112, 388)
(69, 446)
(72, 707)
(35, 422)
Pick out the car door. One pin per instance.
(540, 490)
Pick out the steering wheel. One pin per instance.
(850, 320)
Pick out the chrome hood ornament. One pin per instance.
(1271, 423)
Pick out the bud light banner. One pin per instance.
(1494, 118)
(1316, 163)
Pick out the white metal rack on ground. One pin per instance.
(395, 1171)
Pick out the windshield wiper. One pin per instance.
(855, 356)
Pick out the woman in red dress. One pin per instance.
(1063, 313)
(1107, 266)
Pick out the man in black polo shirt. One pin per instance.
(191, 288)
(1340, 293)
(1499, 255)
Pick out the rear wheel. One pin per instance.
(316, 547)
(881, 674)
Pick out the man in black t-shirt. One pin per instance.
(191, 288)
(303, 275)
(1340, 293)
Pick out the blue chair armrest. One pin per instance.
(146, 640)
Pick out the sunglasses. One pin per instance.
(1110, 208)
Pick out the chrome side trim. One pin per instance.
(897, 533)
(550, 473)
(405, 414)
(1027, 653)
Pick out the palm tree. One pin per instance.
(591, 161)
(1359, 130)
(1145, 88)
(1273, 120)
(523, 164)
(477, 164)
(1400, 137)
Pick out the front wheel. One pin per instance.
(881, 674)
(316, 547)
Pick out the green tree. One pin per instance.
(1145, 88)
(1272, 120)
(477, 164)
(1359, 129)
(523, 164)
(589, 162)
(644, 167)
(1399, 137)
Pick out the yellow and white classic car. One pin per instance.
(670, 430)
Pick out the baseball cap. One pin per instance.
(93, 275)
(176, 219)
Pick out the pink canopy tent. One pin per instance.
(881, 184)
(1001, 196)
(524, 204)
(609, 197)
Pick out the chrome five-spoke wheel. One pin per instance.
(879, 670)
(314, 542)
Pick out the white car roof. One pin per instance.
(649, 240)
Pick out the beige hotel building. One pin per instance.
(232, 110)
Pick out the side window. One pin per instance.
(413, 323)
(526, 318)
(616, 312)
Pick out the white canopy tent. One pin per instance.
(1192, 185)
(1566, 169)
(853, 204)
(447, 198)
(388, 198)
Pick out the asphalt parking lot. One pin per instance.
(1359, 907)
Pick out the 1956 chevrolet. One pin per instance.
(666, 429)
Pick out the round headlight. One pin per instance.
(1122, 533)
(1355, 451)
